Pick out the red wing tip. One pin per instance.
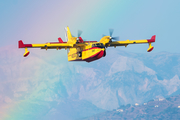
(153, 38)
(21, 44)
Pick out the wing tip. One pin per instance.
(153, 39)
(21, 44)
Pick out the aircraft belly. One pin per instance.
(88, 55)
(92, 54)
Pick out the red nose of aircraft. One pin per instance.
(100, 54)
(96, 56)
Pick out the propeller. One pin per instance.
(110, 34)
(79, 39)
(79, 33)
(111, 31)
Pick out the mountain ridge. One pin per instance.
(118, 79)
(166, 109)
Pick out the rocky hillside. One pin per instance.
(61, 88)
(159, 109)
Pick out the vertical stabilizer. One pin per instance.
(68, 34)
(68, 37)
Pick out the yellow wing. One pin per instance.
(54, 45)
(127, 42)
(46, 45)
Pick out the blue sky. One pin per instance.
(43, 21)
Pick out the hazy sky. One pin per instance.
(41, 21)
(44, 20)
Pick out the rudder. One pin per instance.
(68, 34)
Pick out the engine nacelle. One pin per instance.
(79, 40)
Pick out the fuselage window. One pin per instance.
(100, 45)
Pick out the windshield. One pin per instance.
(100, 45)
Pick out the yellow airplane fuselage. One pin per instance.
(88, 53)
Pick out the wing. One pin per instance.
(53, 45)
(127, 42)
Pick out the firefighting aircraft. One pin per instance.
(81, 50)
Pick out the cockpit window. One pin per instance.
(100, 45)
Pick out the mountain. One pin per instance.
(159, 109)
(56, 87)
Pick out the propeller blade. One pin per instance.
(79, 33)
(111, 32)
(115, 38)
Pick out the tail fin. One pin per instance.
(68, 34)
